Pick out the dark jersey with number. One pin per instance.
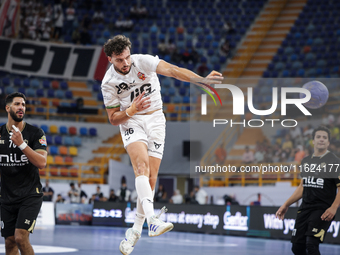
(19, 177)
(318, 190)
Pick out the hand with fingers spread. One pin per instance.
(139, 104)
(213, 78)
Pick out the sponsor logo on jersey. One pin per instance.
(13, 159)
(2, 141)
(27, 221)
(42, 140)
(313, 182)
(141, 76)
(157, 145)
(123, 87)
(323, 165)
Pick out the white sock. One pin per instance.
(140, 217)
(144, 193)
(139, 221)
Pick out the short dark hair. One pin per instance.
(10, 97)
(322, 128)
(116, 45)
(71, 184)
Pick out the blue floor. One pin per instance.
(84, 240)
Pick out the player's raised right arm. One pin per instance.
(183, 74)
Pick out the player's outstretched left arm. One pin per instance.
(329, 214)
(37, 158)
(280, 214)
(183, 74)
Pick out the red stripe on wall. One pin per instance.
(101, 66)
(14, 19)
(3, 14)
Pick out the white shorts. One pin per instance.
(149, 129)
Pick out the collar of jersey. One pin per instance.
(23, 127)
(321, 155)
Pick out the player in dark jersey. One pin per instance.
(319, 190)
(22, 153)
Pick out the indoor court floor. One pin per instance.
(86, 240)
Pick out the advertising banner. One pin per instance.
(263, 223)
(73, 214)
(257, 221)
(65, 61)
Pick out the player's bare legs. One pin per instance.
(11, 246)
(146, 171)
(140, 162)
(20, 241)
(154, 168)
(139, 157)
(140, 215)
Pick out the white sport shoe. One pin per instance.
(128, 244)
(156, 226)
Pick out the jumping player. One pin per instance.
(320, 197)
(131, 91)
(23, 152)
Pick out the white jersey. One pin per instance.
(120, 90)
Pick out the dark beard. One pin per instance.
(14, 117)
(119, 71)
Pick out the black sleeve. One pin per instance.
(39, 142)
(337, 180)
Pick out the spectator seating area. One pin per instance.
(189, 25)
(55, 98)
(63, 148)
(51, 97)
(264, 94)
(195, 28)
(311, 48)
(45, 89)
